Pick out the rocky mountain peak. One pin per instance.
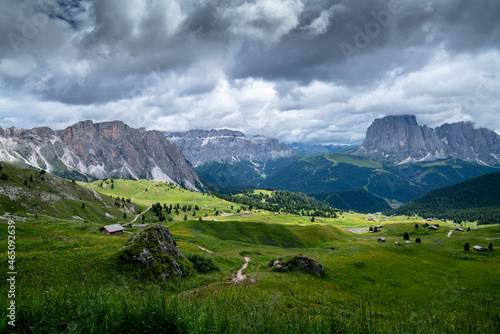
(400, 139)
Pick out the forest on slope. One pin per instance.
(477, 199)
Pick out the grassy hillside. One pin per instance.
(70, 278)
(30, 192)
(475, 199)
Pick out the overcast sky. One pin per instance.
(297, 70)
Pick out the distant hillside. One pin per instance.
(358, 200)
(239, 173)
(338, 172)
(475, 199)
(316, 148)
(25, 191)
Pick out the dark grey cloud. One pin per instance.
(277, 68)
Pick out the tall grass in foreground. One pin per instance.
(233, 310)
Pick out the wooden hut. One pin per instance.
(113, 230)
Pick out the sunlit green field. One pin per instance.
(71, 280)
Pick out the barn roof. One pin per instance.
(112, 228)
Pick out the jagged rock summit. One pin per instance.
(155, 250)
(88, 150)
(299, 262)
(400, 139)
(226, 146)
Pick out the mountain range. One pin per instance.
(398, 161)
(226, 146)
(88, 150)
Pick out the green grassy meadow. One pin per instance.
(71, 281)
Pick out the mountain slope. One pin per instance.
(358, 200)
(242, 172)
(89, 151)
(26, 191)
(226, 146)
(399, 140)
(475, 199)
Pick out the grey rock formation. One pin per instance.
(298, 262)
(470, 144)
(110, 149)
(155, 249)
(226, 146)
(399, 139)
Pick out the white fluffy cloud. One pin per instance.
(264, 20)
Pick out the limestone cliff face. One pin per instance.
(399, 139)
(99, 150)
(470, 144)
(226, 146)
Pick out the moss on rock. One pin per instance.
(155, 250)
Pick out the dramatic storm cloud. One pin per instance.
(297, 70)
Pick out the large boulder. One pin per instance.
(298, 262)
(155, 250)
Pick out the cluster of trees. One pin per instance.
(283, 201)
(120, 202)
(162, 210)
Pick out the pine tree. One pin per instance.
(490, 246)
(416, 225)
(406, 236)
(466, 246)
(185, 217)
(83, 205)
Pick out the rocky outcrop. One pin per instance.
(399, 140)
(99, 150)
(467, 143)
(155, 250)
(298, 262)
(226, 146)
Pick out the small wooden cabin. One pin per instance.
(113, 230)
